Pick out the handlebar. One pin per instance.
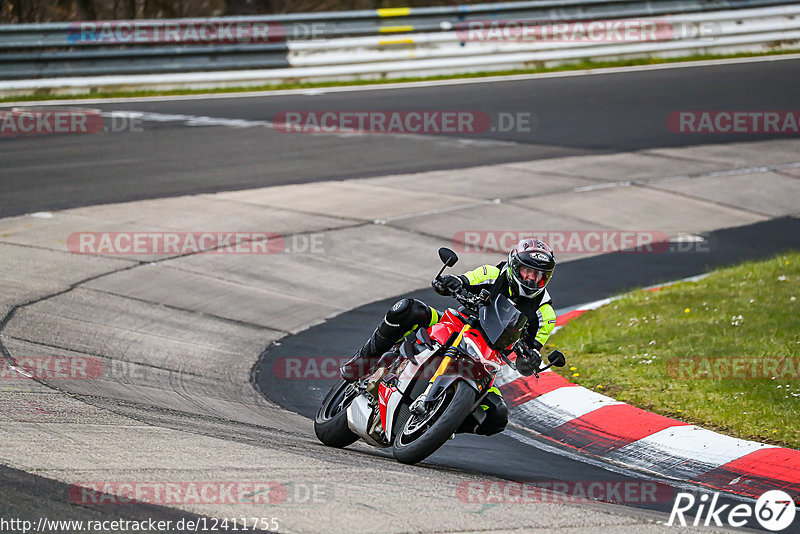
(473, 303)
(469, 300)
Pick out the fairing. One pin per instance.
(501, 322)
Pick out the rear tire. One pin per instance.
(412, 447)
(330, 424)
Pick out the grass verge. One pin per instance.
(722, 352)
(582, 65)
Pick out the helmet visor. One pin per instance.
(533, 278)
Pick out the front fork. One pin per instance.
(418, 406)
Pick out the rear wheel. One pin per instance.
(330, 425)
(423, 434)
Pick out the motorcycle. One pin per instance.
(429, 388)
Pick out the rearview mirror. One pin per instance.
(557, 358)
(448, 257)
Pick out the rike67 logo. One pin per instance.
(774, 511)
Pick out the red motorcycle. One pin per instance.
(428, 389)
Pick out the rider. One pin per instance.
(523, 278)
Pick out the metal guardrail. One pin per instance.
(369, 44)
(63, 49)
(391, 20)
(143, 60)
(722, 27)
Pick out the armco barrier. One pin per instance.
(159, 54)
(382, 21)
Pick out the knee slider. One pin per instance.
(502, 411)
(420, 313)
(497, 405)
(398, 314)
(408, 313)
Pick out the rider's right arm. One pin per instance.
(483, 276)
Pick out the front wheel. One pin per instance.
(423, 434)
(330, 425)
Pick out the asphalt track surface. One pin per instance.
(602, 113)
(21, 499)
(576, 282)
(573, 115)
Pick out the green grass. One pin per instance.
(749, 311)
(582, 65)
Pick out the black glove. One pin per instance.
(447, 284)
(528, 359)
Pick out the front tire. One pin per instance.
(423, 434)
(330, 424)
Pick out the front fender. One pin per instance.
(443, 382)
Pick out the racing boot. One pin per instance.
(400, 318)
(382, 339)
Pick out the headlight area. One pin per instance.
(471, 349)
(469, 346)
